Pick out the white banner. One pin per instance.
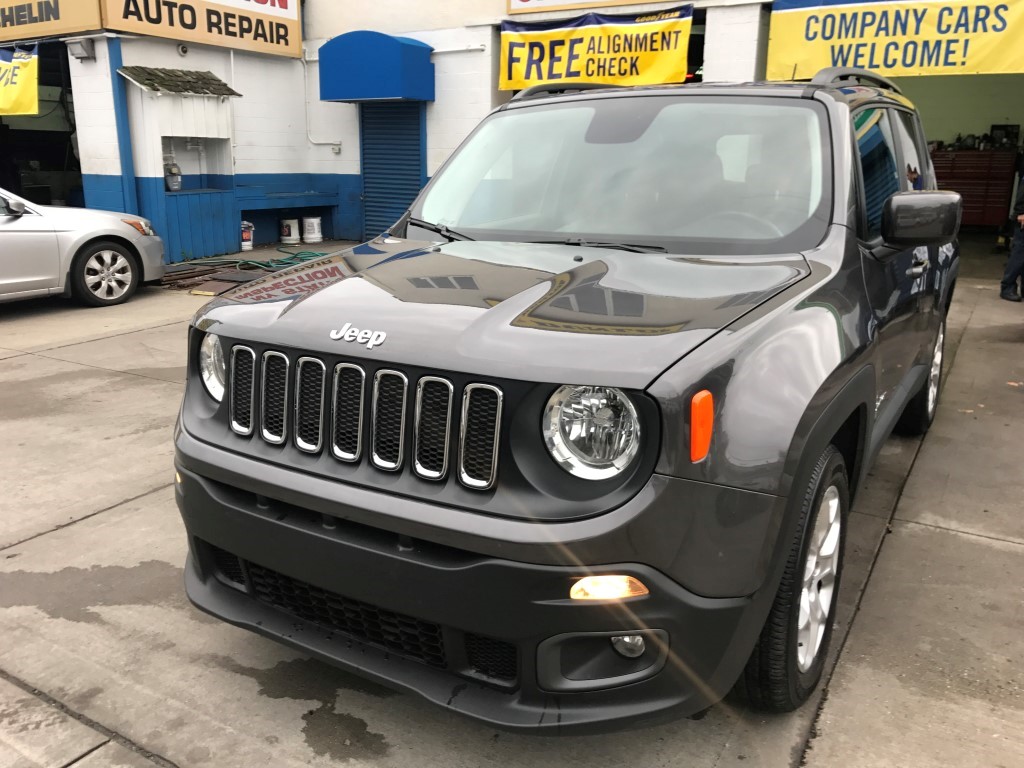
(285, 9)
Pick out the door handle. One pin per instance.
(919, 268)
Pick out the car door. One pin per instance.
(892, 277)
(29, 258)
(919, 175)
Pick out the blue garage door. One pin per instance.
(393, 152)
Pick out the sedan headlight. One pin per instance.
(143, 226)
(592, 432)
(212, 367)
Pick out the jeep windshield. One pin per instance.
(683, 174)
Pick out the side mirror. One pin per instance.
(921, 218)
(14, 207)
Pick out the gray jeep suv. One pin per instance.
(576, 441)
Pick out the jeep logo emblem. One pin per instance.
(370, 339)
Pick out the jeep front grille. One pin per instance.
(349, 396)
(389, 396)
(274, 403)
(481, 423)
(243, 392)
(309, 404)
(433, 427)
(340, 410)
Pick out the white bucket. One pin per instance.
(290, 231)
(248, 231)
(312, 231)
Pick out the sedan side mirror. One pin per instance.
(13, 207)
(921, 218)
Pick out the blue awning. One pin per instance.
(371, 66)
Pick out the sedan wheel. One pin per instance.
(108, 275)
(104, 274)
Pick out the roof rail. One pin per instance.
(833, 75)
(543, 88)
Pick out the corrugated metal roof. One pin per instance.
(179, 81)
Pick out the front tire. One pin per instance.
(104, 274)
(919, 413)
(787, 662)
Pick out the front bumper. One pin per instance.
(291, 571)
(151, 252)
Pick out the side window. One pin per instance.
(877, 151)
(914, 160)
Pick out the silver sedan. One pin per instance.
(98, 257)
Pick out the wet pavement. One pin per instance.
(103, 662)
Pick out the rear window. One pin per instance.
(690, 174)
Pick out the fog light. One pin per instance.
(630, 646)
(607, 588)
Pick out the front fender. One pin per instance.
(71, 242)
(771, 374)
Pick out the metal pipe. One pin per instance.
(305, 96)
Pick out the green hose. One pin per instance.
(292, 260)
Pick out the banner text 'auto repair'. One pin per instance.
(264, 26)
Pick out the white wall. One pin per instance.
(735, 43)
(466, 80)
(281, 126)
(464, 87)
(94, 113)
(965, 103)
(269, 120)
(153, 116)
(328, 18)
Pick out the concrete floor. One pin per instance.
(104, 663)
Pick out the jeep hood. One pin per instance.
(526, 311)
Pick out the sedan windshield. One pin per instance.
(682, 174)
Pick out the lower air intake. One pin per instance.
(395, 632)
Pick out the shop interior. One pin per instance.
(695, 51)
(973, 124)
(39, 154)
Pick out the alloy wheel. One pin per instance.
(108, 275)
(820, 571)
(935, 375)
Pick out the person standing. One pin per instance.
(1015, 266)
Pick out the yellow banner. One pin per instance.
(21, 20)
(959, 37)
(634, 49)
(19, 82)
(258, 26)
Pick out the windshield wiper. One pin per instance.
(634, 247)
(450, 234)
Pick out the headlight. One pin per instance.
(142, 226)
(212, 368)
(592, 432)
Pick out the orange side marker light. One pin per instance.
(702, 425)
